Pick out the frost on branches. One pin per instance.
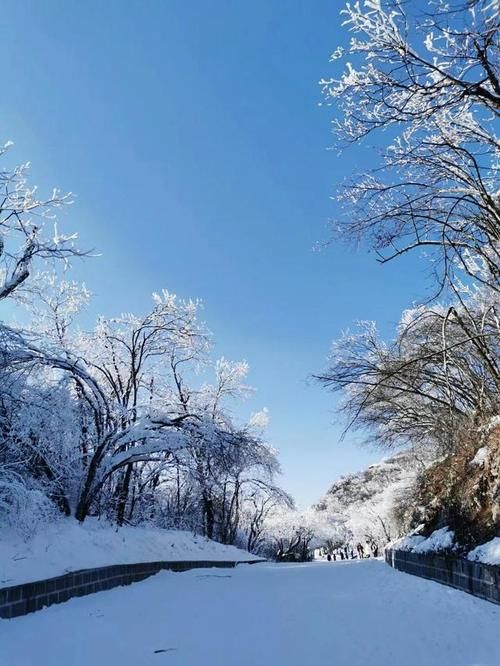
(28, 228)
(426, 83)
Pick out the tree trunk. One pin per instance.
(123, 495)
(208, 508)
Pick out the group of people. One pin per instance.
(348, 552)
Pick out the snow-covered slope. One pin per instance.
(68, 546)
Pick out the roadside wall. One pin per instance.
(28, 597)
(481, 580)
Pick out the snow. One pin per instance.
(493, 423)
(489, 552)
(347, 614)
(407, 543)
(95, 544)
(480, 457)
(438, 541)
(443, 539)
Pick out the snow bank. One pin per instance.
(489, 552)
(68, 546)
(407, 542)
(438, 541)
(443, 540)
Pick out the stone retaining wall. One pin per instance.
(481, 580)
(28, 597)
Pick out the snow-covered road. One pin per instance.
(344, 614)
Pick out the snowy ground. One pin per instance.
(346, 614)
(97, 544)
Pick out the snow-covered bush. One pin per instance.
(23, 508)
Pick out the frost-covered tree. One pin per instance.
(54, 304)
(426, 81)
(239, 465)
(436, 379)
(259, 508)
(129, 357)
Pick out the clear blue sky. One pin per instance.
(192, 135)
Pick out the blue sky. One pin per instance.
(193, 137)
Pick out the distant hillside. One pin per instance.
(362, 504)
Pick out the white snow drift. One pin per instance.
(96, 544)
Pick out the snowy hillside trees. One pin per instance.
(363, 505)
